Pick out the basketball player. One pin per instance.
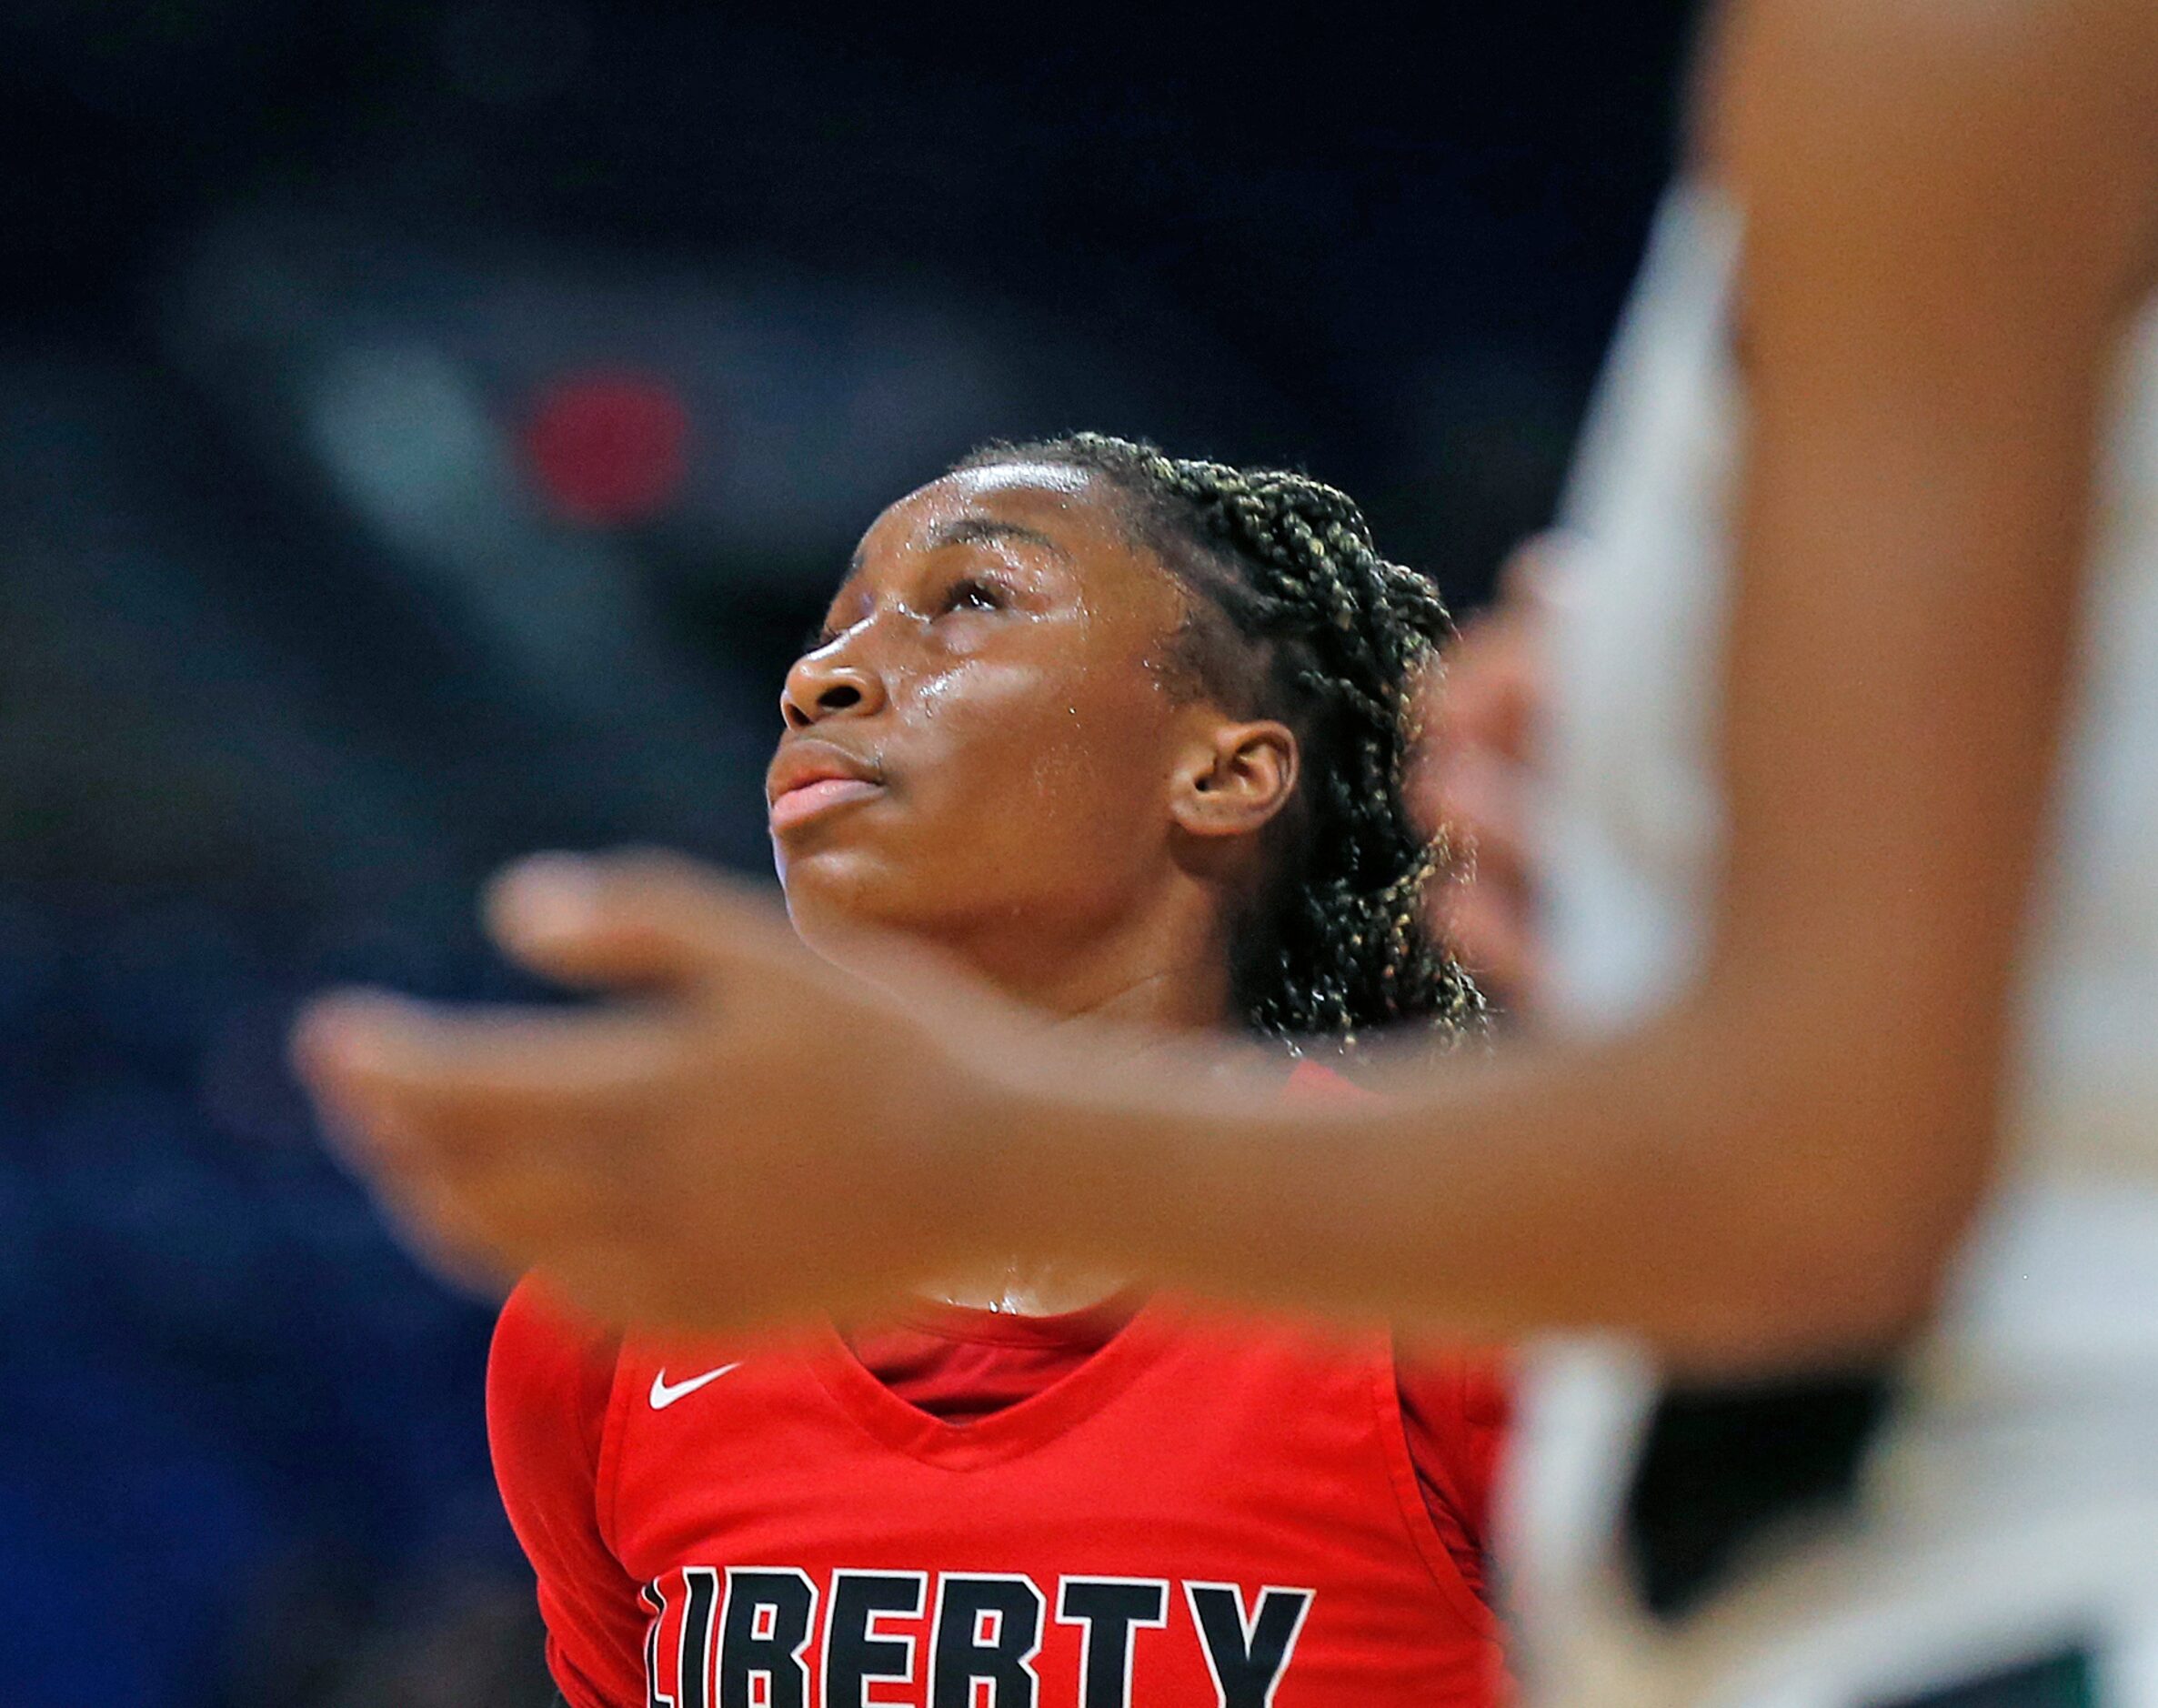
(1120, 735)
(1853, 931)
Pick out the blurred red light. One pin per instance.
(607, 449)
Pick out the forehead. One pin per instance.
(1053, 499)
(1066, 516)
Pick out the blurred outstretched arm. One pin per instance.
(1949, 210)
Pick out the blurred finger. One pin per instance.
(1468, 797)
(1485, 806)
(1493, 685)
(1486, 926)
(644, 918)
(396, 1073)
(1538, 572)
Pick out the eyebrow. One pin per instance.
(980, 531)
(976, 530)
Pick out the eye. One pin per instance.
(972, 593)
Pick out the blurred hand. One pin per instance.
(641, 1153)
(1474, 778)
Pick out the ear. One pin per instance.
(1233, 778)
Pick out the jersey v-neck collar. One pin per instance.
(1014, 1429)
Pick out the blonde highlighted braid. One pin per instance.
(1329, 637)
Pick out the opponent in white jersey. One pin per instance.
(1991, 1538)
(1855, 931)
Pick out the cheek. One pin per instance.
(1028, 792)
(1052, 749)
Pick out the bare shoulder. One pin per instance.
(1952, 122)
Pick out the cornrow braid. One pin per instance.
(1332, 638)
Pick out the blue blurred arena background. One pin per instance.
(428, 427)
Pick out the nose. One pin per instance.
(830, 683)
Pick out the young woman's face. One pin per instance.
(983, 744)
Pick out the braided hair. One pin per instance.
(1296, 617)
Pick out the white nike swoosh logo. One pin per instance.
(665, 1394)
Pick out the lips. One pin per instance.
(808, 780)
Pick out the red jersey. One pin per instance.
(1163, 1506)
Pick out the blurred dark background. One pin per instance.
(427, 427)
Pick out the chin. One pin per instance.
(833, 899)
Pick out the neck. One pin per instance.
(1160, 969)
(1029, 1290)
(1157, 976)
